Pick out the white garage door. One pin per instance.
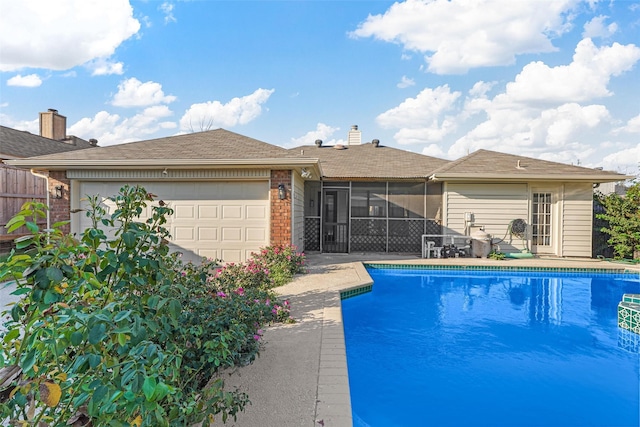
(222, 220)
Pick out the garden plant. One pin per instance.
(112, 329)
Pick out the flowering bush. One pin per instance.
(116, 331)
(281, 261)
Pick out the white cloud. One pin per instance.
(584, 79)
(31, 80)
(69, 33)
(464, 34)
(632, 126)
(133, 93)
(167, 9)
(625, 161)
(103, 67)
(434, 150)
(322, 131)
(32, 126)
(210, 114)
(406, 82)
(111, 129)
(597, 28)
(420, 119)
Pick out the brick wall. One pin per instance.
(280, 209)
(59, 209)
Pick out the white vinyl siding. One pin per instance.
(220, 220)
(577, 220)
(493, 207)
(297, 206)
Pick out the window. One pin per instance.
(368, 200)
(541, 224)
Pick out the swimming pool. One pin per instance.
(492, 348)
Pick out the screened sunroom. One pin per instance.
(378, 216)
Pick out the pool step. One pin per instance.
(629, 313)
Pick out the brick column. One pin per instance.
(59, 209)
(280, 209)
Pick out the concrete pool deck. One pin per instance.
(300, 378)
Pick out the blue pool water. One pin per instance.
(492, 348)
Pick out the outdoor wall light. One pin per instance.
(57, 192)
(282, 192)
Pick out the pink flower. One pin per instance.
(286, 303)
(240, 291)
(221, 294)
(256, 337)
(274, 311)
(267, 302)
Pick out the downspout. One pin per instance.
(46, 177)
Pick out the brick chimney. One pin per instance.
(355, 136)
(53, 125)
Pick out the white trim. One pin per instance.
(170, 175)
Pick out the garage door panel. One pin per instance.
(183, 234)
(183, 212)
(231, 234)
(207, 212)
(255, 212)
(220, 220)
(255, 234)
(209, 234)
(231, 212)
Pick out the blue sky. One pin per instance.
(557, 80)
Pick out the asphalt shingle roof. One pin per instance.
(216, 144)
(20, 144)
(367, 161)
(485, 162)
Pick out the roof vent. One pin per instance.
(339, 147)
(93, 142)
(318, 143)
(375, 142)
(519, 166)
(53, 110)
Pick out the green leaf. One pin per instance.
(28, 361)
(18, 219)
(13, 334)
(129, 239)
(32, 226)
(76, 338)
(94, 360)
(149, 387)
(99, 394)
(54, 274)
(152, 302)
(175, 308)
(122, 315)
(50, 297)
(97, 333)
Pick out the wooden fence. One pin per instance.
(18, 186)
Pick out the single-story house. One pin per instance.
(18, 185)
(232, 194)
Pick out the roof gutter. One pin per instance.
(595, 178)
(62, 164)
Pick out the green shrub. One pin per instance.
(116, 331)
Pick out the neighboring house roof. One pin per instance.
(367, 161)
(215, 148)
(494, 166)
(16, 144)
